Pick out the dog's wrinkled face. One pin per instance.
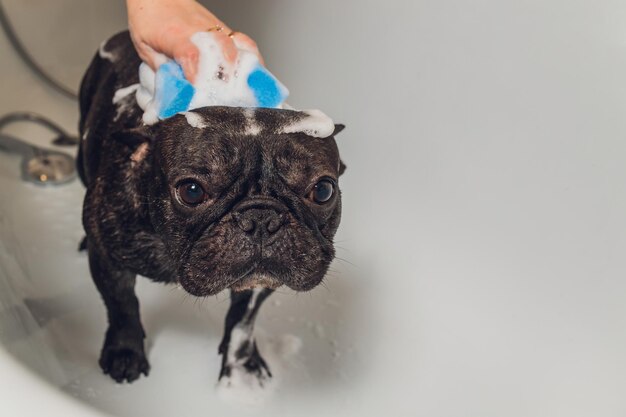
(241, 198)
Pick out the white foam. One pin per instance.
(242, 386)
(150, 116)
(145, 92)
(121, 93)
(195, 120)
(252, 128)
(245, 389)
(121, 98)
(232, 89)
(315, 124)
(104, 54)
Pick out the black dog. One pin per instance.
(217, 198)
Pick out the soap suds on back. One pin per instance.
(122, 98)
(124, 92)
(104, 54)
(315, 124)
(195, 120)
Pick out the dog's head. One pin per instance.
(243, 197)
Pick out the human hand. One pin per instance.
(166, 26)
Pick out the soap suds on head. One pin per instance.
(314, 123)
(252, 127)
(104, 54)
(122, 98)
(195, 120)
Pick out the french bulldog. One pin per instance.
(213, 199)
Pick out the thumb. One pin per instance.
(187, 57)
(150, 56)
(144, 52)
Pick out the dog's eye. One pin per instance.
(323, 191)
(191, 193)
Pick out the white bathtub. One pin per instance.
(52, 321)
(482, 240)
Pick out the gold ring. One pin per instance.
(232, 34)
(216, 28)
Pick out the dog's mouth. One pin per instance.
(300, 266)
(255, 279)
(253, 275)
(256, 275)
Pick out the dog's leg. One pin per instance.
(238, 348)
(122, 356)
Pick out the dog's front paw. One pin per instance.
(245, 377)
(254, 367)
(124, 363)
(246, 382)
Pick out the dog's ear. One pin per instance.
(342, 167)
(338, 128)
(134, 137)
(138, 139)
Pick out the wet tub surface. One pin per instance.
(52, 319)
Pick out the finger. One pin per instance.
(143, 52)
(146, 57)
(187, 57)
(150, 56)
(246, 43)
(229, 49)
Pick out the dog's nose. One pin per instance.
(260, 216)
(259, 222)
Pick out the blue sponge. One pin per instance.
(265, 88)
(244, 83)
(173, 92)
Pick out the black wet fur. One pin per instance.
(257, 227)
